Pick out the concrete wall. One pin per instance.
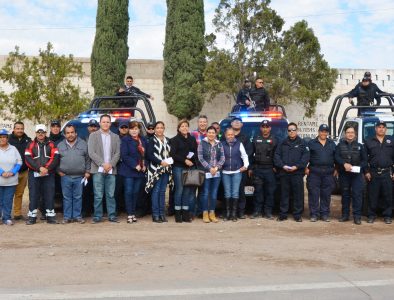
(148, 77)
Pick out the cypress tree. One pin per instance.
(110, 51)
(184, 58)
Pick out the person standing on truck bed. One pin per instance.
(243, 98)
(365, 91)
(260, 96)
(352, 160)
(320, 172)
(262, 171)
(291, 158)
(378, 173)
(130, 90)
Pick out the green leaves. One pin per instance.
(290, 61)
(41, 86)
(110, 50)
(184, 58)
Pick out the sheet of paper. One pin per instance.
(190, 155)
(355, 169)
(169, 160)
(101, 170)
(209, 175)
(36, 174)
(84, 181)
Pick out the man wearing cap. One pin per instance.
(55, 135)
(19, 139)
(262, 171)
(291, 158)
(352, 160)
(123, 128)
(260, 96)
(42, 159)
(365, 91)
(380, 151)
(243, 98)
(150, 131)
(104, 152)
(236, 125)
(93, 126)
(320, 172)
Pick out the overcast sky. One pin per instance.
(352, 34)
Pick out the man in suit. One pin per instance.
(104, 151)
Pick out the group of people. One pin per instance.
(147, 165)
(252, 99)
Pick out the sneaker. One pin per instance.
(281, 218)
(9, 223)
(66, 221)
(96, 220)
(387, 220)
(371, 220)
(115, 220)
(80, 220)
(325, 219)
(313, 219)
(298, 219)
(357, 221)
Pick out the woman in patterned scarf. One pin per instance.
(159, 171)
(132, 167)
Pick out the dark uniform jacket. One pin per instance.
(366, 94)
(321, 156)
(21, 145)
(43, 154)
(380, 155)
(243, 95)
(263, 152)
(260, 98)
(56, 138)
(352, 153)
(292, 153)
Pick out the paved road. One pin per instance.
(372, 284)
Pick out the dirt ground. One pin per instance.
(77, 254)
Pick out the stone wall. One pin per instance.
(148, 77)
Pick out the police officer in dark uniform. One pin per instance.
(260, 96)
(352, 160)
(262, 171)
(243, 98)
(380, 150)
(366, 92)
(320, 172)
(291, 158)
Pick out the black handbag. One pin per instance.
(193, 177)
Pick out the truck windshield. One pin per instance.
(369, 129)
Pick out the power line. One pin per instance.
(68, 28)
(341, 13)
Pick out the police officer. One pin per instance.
(262, 171)
(352, 159)
(378, 173)
(320, 172)
(291, 158)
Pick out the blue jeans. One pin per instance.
(184, 195)
(231, 183)
(72, 197)
(6, 197)
(210, 193)
(159, 196)
(132, 190)
(104, 183)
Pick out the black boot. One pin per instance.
(31, 220)
(51, 220)
(186, 216)
(241, 214)
(234, 211)
(178, 216)
(227, 213)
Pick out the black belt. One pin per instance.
(380, 171)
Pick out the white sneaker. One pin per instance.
(9, 223)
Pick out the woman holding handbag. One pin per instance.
(159, 171)
(184, 153)
(236, 162)
(132, 168)
(211, 159)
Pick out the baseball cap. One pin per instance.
(4, 131)
(55, 122)
(365, 78)
(236, 119)
(123, 123)
(265, 123)
(367, 74)
(324, 127)
(150, 125)
(93, 122)
(378, 123)
(41, 127)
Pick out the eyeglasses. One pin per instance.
(291, 130)
(151, 128)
